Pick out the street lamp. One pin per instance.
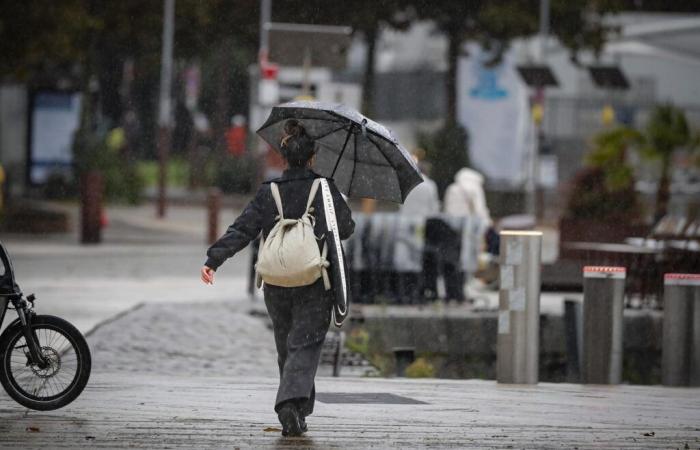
(164, 105)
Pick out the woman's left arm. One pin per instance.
(246, 228)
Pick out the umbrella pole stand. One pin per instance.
(340, 156)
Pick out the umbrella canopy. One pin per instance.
(362, 156)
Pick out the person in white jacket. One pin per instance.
(465, 196)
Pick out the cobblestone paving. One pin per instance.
(186, 339)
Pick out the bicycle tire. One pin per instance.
(12, 335)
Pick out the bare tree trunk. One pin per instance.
(454, 44)
(220, 116)
(368, 78)
(663, 192)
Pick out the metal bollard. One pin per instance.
(213, 208)
(518, 342)
(603, 307)
(573, 319)
(680, 364)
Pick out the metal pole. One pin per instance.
(164, 106)
(680, 363)
(544, 28)
(213, 208)
(518, 340)
(603, 307)
(531, 202)
(265, 17)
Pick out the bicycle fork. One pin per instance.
(35, 354)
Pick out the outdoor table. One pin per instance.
(644, 264)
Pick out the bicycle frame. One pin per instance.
(10, 293)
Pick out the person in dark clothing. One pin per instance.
(300, 315)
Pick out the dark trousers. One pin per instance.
(300, 320)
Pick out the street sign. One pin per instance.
(326, 45)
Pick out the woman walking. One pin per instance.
(300, 315)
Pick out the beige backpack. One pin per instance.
(290, 256)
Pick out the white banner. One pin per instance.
(493, 105)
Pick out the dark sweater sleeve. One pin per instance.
(246, 228)
(346, 225)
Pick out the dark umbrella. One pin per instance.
(362, 156)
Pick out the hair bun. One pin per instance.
(293, 127)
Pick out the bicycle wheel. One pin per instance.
(59, 383)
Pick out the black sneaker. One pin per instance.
(291, 420)
(304, 427)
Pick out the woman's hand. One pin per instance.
(207, 275)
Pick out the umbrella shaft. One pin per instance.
(345, 144)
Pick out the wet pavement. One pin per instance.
(122, 410)
(181, 365)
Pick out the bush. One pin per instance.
(236, 175)
(121, 179)
(358, 341)
(420, 368)
(447, 151)
(604, 188)
(178, 172)
(592, 198)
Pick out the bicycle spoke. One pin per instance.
(54, 379)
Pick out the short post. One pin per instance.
(213, 208)
(603, 307)
(572, 330)
(680, 362)
(518, 342)
(91, 187)
(338, 354)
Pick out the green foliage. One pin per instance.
(420, 368)
(122, 181)
(447, 151)
(592, 198)
(177, 172)
(604, 190)
(666, 131)
(41, 36)
(358, 341)
(609, 154)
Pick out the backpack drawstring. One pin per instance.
(324, 264)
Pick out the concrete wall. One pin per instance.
(464, 346)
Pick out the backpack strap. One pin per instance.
(312, 194)
(278, 199)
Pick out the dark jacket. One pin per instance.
(260, 214)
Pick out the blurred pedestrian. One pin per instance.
(409, 251)
(236, 136)
(300, 315)
(423, 200)
(464, 199)
(465, 196)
